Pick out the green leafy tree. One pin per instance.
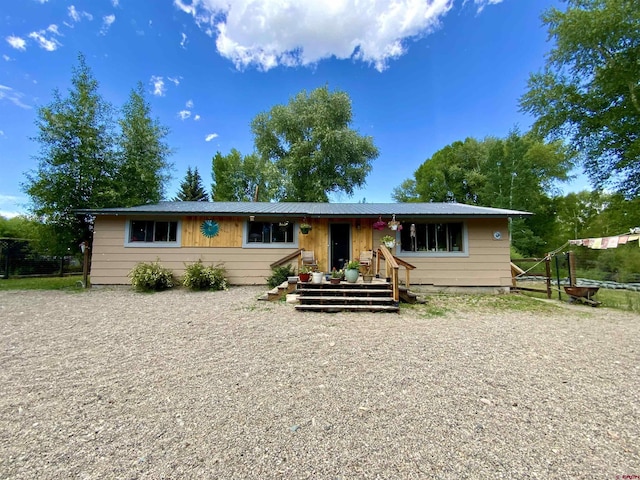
(237, 178)
(516, 173)
(312, 144)
(589, 90)
(191, 188)
(144, 168)
(76, 164)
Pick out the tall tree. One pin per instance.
(237, 178)
(589, 90)
(191, 188)
(312, 144)
(517, 173)
(144, 168)
(76, 164)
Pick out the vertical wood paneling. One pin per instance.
(229, 235)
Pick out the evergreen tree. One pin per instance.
(76, 164)
(144, 169)
(191, 188)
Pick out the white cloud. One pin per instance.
(158, 86)
(196, 117)
(17, 42)
(184, 114)
(1, 133)
(175, 81)
(49, 44)
(6, 57)
(42, 1)
(210, 137)
(183, 42)
(483, 3)
(9, 94)
(115, 3)
(189, 104)
(280, 32)
(107, 21)
(76, 16)
(53, 29)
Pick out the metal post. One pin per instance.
(84, 246)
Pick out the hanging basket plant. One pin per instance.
(305, 227)
(394, 224)
(388, 241)
(380, 224)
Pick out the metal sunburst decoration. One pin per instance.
(209, 228)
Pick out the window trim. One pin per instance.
(127, 234)
(428, 254)
(281, 245)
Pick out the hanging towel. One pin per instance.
(612, 242)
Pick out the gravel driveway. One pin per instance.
(110, 383)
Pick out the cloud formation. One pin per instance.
(281, 32)
(210, 137)
(49, 44)
(11, 95)
(76, 16)
(159, 88)
(483, 3)
(17, 42)
(184, 114)
(183, 42)
(107, 21)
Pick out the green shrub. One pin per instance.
(280, 274)
(151, 277)
(199, 277)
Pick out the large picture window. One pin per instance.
(270, 233)
(142, 232)
(432, 237)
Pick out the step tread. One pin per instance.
(324, 298)
(380, 308)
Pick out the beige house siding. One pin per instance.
(486, 263)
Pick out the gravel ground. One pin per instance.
(110, 383)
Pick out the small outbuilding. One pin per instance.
(449, 244)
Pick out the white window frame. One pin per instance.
(127, 234)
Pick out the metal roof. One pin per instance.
(309, 209)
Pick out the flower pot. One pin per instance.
(351, 275)
(335, 281)
(304, 277)
(316, 277)
(390, 244)
(304, 231)
(367, 278)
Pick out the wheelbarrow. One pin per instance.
(582, 294)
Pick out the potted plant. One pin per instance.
(352, 271)
(389, 241)
(305, 228)
(394, 224)
(316, 277)
(305, 274)
(336, 276)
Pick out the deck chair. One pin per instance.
(309, 259)
(366, 259)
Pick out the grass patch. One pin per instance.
(47, 283)
(439, 305)
(619, 299)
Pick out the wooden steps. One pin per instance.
(326, 297)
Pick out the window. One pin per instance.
(270, 233)
(143, 232)
(433, 237)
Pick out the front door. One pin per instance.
(340, 241)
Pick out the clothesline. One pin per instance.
(603, 243)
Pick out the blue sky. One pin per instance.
(420, 73)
